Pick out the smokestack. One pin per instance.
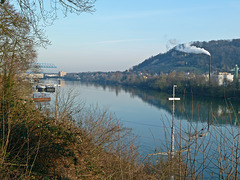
(209, 68)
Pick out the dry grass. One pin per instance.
(36, 145)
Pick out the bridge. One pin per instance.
(38, 69)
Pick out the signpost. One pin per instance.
(173, 99)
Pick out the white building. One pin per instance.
(223, 78)
(62, 74)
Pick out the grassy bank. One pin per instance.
(42, 145)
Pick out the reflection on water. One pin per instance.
(149, 114)
(190, 108)
(42, 104)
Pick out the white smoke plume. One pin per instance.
(171, 43)
(191, 49)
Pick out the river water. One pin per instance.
(205, 123)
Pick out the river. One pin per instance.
(210, 123)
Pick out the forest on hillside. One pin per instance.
(225, 54)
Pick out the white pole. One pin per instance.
(172, 133)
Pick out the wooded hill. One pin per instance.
(225, 54)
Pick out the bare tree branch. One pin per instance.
(40, 13)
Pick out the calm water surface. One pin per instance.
(145, 119)
(149, 115)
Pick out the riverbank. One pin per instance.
(42, 145)
(186, 83)
(94, 144)
(226, 92)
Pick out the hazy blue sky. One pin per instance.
(123, 33)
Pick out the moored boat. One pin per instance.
(50, 88)
(41, 97)
(41, 88)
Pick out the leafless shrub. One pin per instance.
(108, 146)
(203, 150)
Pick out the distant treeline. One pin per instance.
(186, 83)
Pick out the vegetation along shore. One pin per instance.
(72, 141)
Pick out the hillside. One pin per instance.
(225, 54)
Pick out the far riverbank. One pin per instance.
(185, 87)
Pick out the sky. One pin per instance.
(123, 33)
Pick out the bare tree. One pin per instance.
(40, 13)
(16, 47)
